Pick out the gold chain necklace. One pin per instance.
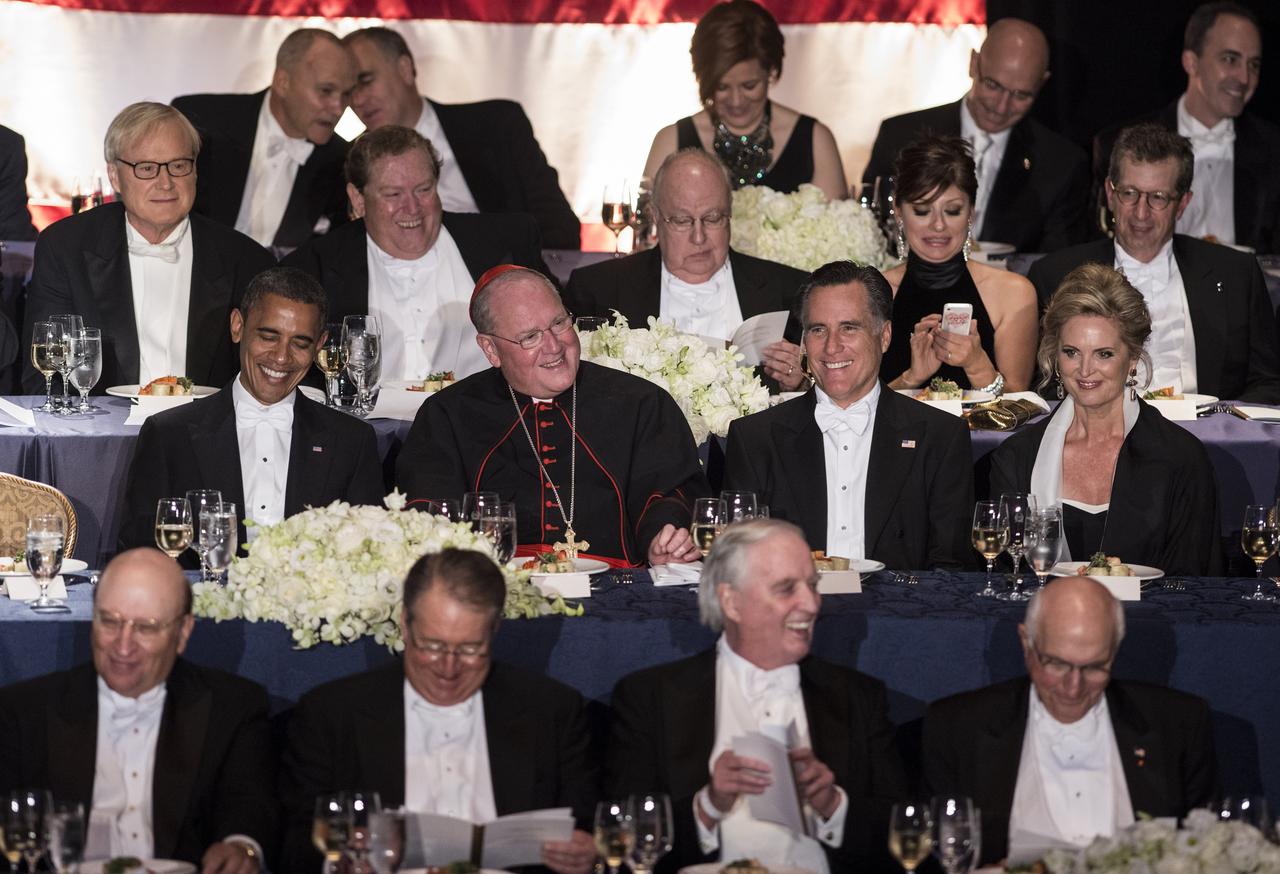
(569, 534)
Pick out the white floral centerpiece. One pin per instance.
(804, 229)
(707, 383)
(1205, 844)
(334, 574)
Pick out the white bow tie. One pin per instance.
(831, 418)
(126, 713)
(1220, 136)
(278, 416)
(1145, 276)
(761, 685)
(298, 151)
(166, 252)
(710, 288)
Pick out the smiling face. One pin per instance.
(693, 189)
(440, 621)
(769, 619)
(155, 206)
(1223, 77)
(386, 91)
(146, 586)
(843, 341)
(278, 342)
(518, 307)
(936, 229)
(1140, 230)
(308, 99)
(400, 204)
(1070, 661)
(1093, 361)
(740, 96)
(1007, 75)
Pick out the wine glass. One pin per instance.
(173, 525)
(498, 524)
(449, 508)
(85, 352)
(1259, 538)
(360, 806)
(69, 325)
(24, 836)
(46, 539)
(64, 831)
(47, 352)
(1044, 541)
(474, 505)
(614, 833)
(1249, 809)
(331, 358)
(953, 831)
(1015, 512)
(988, 538)
(910, 834)
(651, 825)
(708, 519)
(739, 506)
(386, 841)
(200, 500)
(616, 212)
(362, 340)
(329, 827)
(219, 535)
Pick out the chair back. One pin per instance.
(21, 498)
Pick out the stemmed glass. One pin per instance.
(614, 833)
(708, 518)
(616, 212)
(65, 835)
(651, 825)
(360, 806)
(386, 841)
(1015, 514)
(173, 526)
(329, 827)
(475, 505)
(331, 358)
(910, 834)
(449, 508)
(200, 500)
(47, 352)
(1249, 809)
(989, 538)
(24, 834)
(498, 524)
(46, 539)
(1259, 538)
(739, 505)
(70, 325)
(1044, 541)
(219, 536)
(85, 352)
(362, 340)
(953, 833)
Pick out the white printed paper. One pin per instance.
(27, 589)
(780, 801)
(516, 839)
(757, 332)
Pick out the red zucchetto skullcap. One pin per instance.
(493, 273)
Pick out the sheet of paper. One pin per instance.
(431, 839)
(758, 332)
(27, 589)
(1260, 414)
(1123, 588)
(15, 416)
(564, 585)
(839, 583)
(1027, 847)
(147, 405)
(517, 839)
(779, 803)
(398, 403)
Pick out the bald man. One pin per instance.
(1032, 182)
(1068, 753)
(172, 759)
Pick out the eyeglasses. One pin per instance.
(145, 629)
(999, 90)
(151, 169)
(684, 223)
(1157, 200)
(533, 339)
(436, 650)
(1057, 669)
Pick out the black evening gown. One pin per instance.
(794, 166)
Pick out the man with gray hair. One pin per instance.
(159, 281)
(1067, 753)
(674, 725)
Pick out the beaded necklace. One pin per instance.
(747, 156)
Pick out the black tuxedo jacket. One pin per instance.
(339, 260)
(973, 746)
(1231, 313)
(663, 729)
(213, 758)
(82, 266)
(332, 457)
(919, 497)
(1256, 177)
(1040, 195)
(228, 124)
(15, 218)
(350, 733)
(504, 166)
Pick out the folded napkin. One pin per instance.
(676, 574)
(27, 589)
(1258, 414)
(398, 403)
(147, 405)
(1004, 414)
(16, 416)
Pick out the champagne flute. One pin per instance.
(85, 351)
(498, 524)
(331, 358)
(46, 539)
(329, 827)
(1044, 541)
(651, 825)
(616, 212)
(362, 340)
(200, 499)
(614, 833)
(220, 534)
(70, 326)
(708, 519)
(1259, 538)
(24, 836)
(953, 830)
(173, 526)
(739, 506)
(475, 504)
(65, 835)
(386, 841)
(910, 834)
(989, 538)
(1015, 512)
(46, 357)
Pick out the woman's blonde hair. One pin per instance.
(1094, 290)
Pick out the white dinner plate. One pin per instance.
(1141, 571)
(155, 866)
(971, 395)
(580, 566)
(714, 868)
(862, 566)
(131, 391)
(69, 566)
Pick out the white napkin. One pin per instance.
(398, 403)
(23, 418)
(148, 405)
(676, 574)
(27, 589)
(1260, 414)
(1027, 396)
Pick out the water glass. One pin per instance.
(46, 540)
(498, 524)
(201, 499)
(953, 833)
(64, 829)
(386, 841)
(219, 537)
(1044, 541)
(738, 506)
(85, 351)
(651, 824)
(362, 340)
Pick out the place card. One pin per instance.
(955, 408)
(148, 405)
(839, 583)
(27, 589)
(398, 403)
(1123, 588)
(1183, 410)
(564, 585)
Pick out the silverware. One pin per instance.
(623, 577)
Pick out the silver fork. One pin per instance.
(623, 577)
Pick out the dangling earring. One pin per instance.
(968, 241)
(1131, 384)
(1057, 377)
(902, 245)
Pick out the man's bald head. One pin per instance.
(1007, 72)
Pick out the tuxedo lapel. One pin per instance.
(1011, 179)
(1138, 746)
(380, 734)
(106, 260)
(512, 748)
(311, 452)
(346, 275)
(689, 722)
(73, 738)
(826, 706)
(228, 180)
(997, 749)
(188, 710)
(1249, 178)
(474, 153)
(479, 250)
(1204, 302)
(802, 458)
(640, 290)
(208, 303)
(216, 448)
(749, 285)
(896, 440)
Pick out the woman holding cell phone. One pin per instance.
(953, 318)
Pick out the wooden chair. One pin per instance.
(21, 498)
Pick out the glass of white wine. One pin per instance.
(910, 834)
(173, 526)
(708, 519)
(615, 833)
(47, 351)
(989, 538)
(46, 539)
(1259, 538)
(331, 358)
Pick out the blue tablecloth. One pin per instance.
(925, 641)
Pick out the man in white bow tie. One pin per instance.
(674, 726)
(159, 282)
(864, 471)
(1067, 753)
(170, 760)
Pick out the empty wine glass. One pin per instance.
(46, 539)
(651, 824)
(386, 841)
(738, 506)
(47, 351)
(220, 536)
(64, 830)
(953, 833)
(1259, 538)
(989, 538)
(910, 833)
(69, 326)
(362, 340)
(173, 526)
(1015, 513)
(616, 212)
(614, 833)
(200, 499)
(708, 518)
(24, 832)
(85, 350)
(1044, 541)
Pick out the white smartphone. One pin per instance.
(956, 317)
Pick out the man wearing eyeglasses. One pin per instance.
(159, 282)
(588, 453)
(170, 760)
(1032, 182)
(1212, 324)
(1067, 753)
(445, 730)
(693, 278)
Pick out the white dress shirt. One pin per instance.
(1071, 783)
(125, 761)
(751, 699)
(708, 309)
(988, 153)
(422, 307)
(264, 434)
(273, 166)
(160, 276)
(846, 449)
(1213, 188)
(446, 758)
(1173, 342)
(455, 195)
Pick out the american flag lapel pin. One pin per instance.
(908, 444)
(317, 449)
(1026, 163)
(1140, 753)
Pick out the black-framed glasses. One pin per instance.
(533, 339)
(999, 90)
(1157, 200)
(145, 629)
(178, 167)
(437, 650)
(1058, 669)
(712, 221)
